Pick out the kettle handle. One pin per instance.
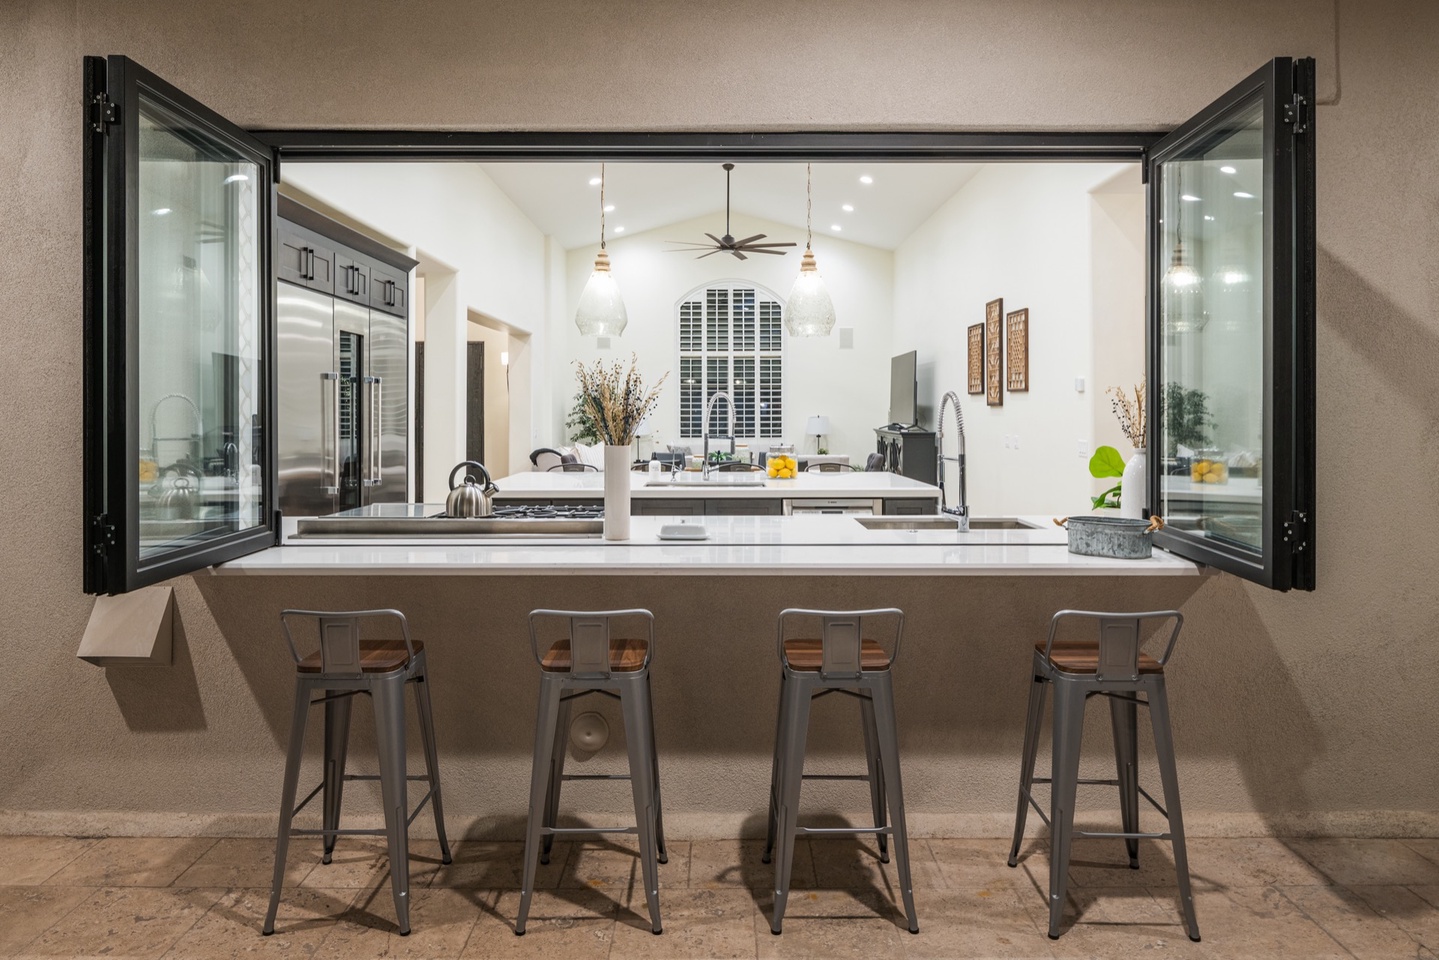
(489, 483)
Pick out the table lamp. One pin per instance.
(817, 427)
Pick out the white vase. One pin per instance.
(1134, 493)
(617, 491)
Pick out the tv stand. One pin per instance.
(907, 451)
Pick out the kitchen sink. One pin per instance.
(737, 480)
(940, 523)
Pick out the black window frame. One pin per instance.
(1286, 558)
(113, 86)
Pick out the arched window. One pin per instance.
(731, 338)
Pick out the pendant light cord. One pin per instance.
(602, 206)
(808, 207)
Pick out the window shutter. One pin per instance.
(731, 338)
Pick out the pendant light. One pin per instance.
(1180, 273)
(601, 312)
(809, 312)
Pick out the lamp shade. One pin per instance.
(601, 311)
(809, 312)
(817, 427)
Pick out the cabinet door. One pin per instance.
(389, 289)
(648, 507)
(744, 507)
(179, 352)
(1231, 330)
(352, 278)
(910, 507)
(305, 258)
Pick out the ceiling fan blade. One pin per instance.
(718, 242)
(710, 254)
(749, 240)
(761, 246)
(738, 255)
(775, 253)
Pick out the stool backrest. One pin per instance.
(339, 633)
(842, 636)
(1119, 639)
(589, 635)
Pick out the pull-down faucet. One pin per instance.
(961, 511)
(705, 428)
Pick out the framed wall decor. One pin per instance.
(976, 358)
(1016, 350)
(994, 353)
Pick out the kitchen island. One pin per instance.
(687, 493)
(813, 545)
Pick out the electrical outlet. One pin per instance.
(1078, 384)
(1016, 441)
(1084, 448)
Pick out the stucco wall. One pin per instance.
(1295, 712)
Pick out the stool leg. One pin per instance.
(635, 704)
(432, 762)
(337, 742)
(774, 775)
(287, 798)
(556, 779)
(1032, 722)
(663, 853)
(1169, 776)
(1123, 717)
(1068, 734)
(882, 690)
(794, 730)
(388, 697)
(546, 720)
(876, 774)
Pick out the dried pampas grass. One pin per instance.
(616, 401)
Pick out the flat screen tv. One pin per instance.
(903, 389)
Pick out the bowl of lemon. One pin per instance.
(781, 464)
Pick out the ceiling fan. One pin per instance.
(727, 243)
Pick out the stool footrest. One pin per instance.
(297, 832)
(596, 776)
(836, 776)
(554, 831)
(1095, 835)
(1095, 783)
(841, 831)
(376, 776)
(308, 832)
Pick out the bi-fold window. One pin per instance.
(180, 287)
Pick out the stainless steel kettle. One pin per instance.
(470, 499)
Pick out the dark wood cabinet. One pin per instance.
(915, 507)
(744, 507)
(305, 258)
(389, 289)
(909, 453)
(352, 279)
(667, 508)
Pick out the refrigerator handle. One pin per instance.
(372, 478)
(330, 432)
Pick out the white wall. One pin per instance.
(1021, 232)
(457, 217)
(850, 386)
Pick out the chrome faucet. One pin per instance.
(961, 511)
(705, 428)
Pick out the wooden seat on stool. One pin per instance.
(1078, 656)
(626, 656)
(376, 656)
(803, 654)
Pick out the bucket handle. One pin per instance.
(1156, 522)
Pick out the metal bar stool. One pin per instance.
(592, 657)
(842, 660)
(1113, 667)
(343, 666)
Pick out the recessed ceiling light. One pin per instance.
(1234, 276)
(594, 181)
(236, 178)
(866, 179)
(835, 227)
(609, 208)
(1243, 196)
(162, 211)
(848, 208)
(1208, 217)
(1227, 170)
(1190, 197)
(619, 229)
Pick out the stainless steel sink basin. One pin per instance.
(735, 480)
(940, 523)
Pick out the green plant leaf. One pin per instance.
(1106, 462)
(1103, 500)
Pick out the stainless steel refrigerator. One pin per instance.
(343, 417)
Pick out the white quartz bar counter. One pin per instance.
(847, 485)
(737, 546)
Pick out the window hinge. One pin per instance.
(102, 112)
(104, 540)
(1296, 114)
(1296, 531)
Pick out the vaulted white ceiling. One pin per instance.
(560, 200)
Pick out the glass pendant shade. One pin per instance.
(602, 311)
(809, 311)
(1180, 273)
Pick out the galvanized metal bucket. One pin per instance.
(1116, 537)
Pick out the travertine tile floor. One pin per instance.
(204, 898)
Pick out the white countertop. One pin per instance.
(849, 484)
(737, 546)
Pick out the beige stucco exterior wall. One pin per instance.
(1294, 712)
